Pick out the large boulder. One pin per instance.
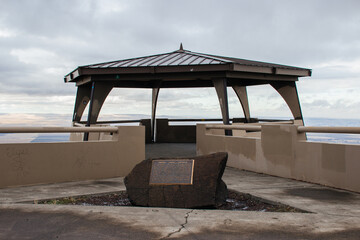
(207, 188)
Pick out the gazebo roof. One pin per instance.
(182, 65)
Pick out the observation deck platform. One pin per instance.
(335, 214)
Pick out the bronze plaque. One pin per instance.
(172, 172)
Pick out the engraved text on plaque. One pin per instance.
(172, 172)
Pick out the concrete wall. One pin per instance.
(174, 134)
(147, 124)
(281, 151)
(34, 163)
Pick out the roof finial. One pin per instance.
(181, 47)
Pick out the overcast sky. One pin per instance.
(43, 40)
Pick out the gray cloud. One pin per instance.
(319, 103)
(42, 40)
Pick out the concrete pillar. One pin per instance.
(220, 86)
(289, 93)
(243, 98)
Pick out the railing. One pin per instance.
(56, 129)
(300, 129)
(196, 120)
(113, 122)
(253, 120)
(349, 130)
(188, 120)
(235, 127)
(275, 120)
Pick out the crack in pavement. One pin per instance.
(182, 226)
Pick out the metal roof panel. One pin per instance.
(178, 60)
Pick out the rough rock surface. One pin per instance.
(207, 190)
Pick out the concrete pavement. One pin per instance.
(335, 213)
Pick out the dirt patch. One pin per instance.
(236, 201)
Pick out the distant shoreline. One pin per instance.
(65, 120)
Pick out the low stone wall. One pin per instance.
(34, 163)
(281, 151)
(166, 133)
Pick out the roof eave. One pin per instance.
(293, 72)
(299, 72)
(76, 75)
(73, 75)
(81, 71)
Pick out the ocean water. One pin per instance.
(64, 120)
(333, 137)
(49, 137)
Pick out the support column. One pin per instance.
(155, 94)
(86, 134)
(220, 86)
(289, 93)
(82, 99)
(99, 92)
(241, 93)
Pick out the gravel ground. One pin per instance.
(236, 201)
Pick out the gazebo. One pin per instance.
(183, 69)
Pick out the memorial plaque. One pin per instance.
(172, 172)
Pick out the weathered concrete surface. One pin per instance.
(335, 214)
(59, 190)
